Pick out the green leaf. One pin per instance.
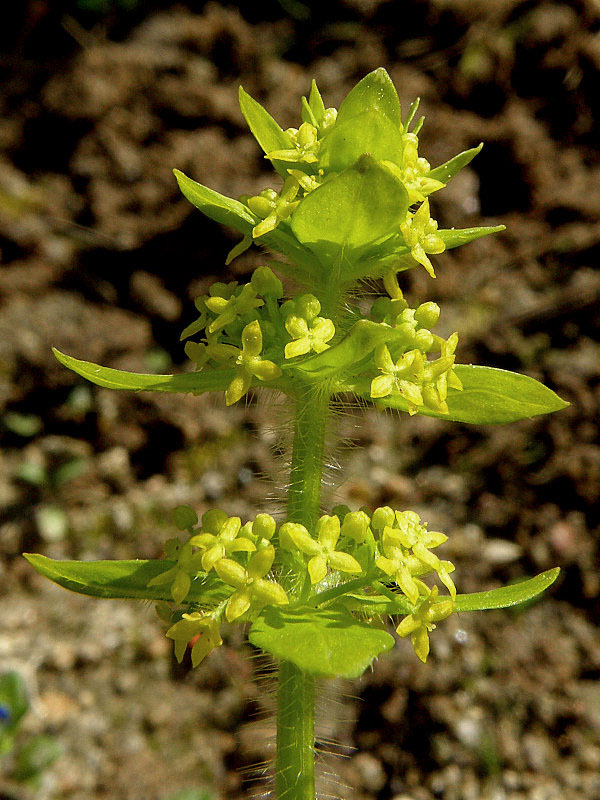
(265, 130)
(237, 216)
(340, 218)
(369, 133)
(489, 397)
(456, 237)
(362, 338)
(375, 92)
(192, 382)
(124, 579)
(445, 172)
(507, 596)
(216, 206)
(327, 642)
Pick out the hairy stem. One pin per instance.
(295, 760)
(306, 473)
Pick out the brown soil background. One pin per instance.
(101, 258)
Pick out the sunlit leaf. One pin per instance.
(375, 92)
(124, 579)
(327, 642)
(192, 382)
(344, 215)
(507, 596)
(445, 172)
(216, 206)
(369, 133)
(456, 237)
(489, 396)
(265, 130)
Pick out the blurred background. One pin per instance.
(101, 257)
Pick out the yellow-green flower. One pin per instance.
(222, 543)
(252, 588)
(202, 630)
(179, 576)
(250, 364)
(322, 552)
(421, 622)
(420, 235)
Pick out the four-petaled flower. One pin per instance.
(421, 236)
(221, 541)
(421, 622)
(322, 552)
(203, 630)
(250, 364)
(252, 588)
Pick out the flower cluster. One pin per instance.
(403, 366)
(308, 162)
(250, 564)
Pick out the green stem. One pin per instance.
(306, 472)
(295, 760)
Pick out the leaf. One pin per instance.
(375, 92)
(369, 133)
(362, 338)
(350, 211)
(456, 237)
(489, 397)
(327, 642)
(124, 579)
(445, 172)
(237, 216)
(216, 206)
(507, 596)
(192, 382)
(265, 130)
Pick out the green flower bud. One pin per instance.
(264, 526)
(213, 520)
(266, 283)
(381, 518)
(428, 314)
(355, 526)
(184, 517)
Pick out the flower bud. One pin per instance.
(264, 526)
(184, 517)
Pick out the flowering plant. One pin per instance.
(313, 588)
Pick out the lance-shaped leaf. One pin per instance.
(456, 237)
(362, 338)
(188, 382)
(502, 597)
(265, 130)
(343, 216)
(445, 172)
(507, 596)
(236, 215)
(216, 206)
(125, 579)
(327, 642)
(489, 397)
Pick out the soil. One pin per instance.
(102, 258)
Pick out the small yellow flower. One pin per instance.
(250, 364)
(421, 622)
(323, 553)
(252, 588)
(420, 235)
(202, 630)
